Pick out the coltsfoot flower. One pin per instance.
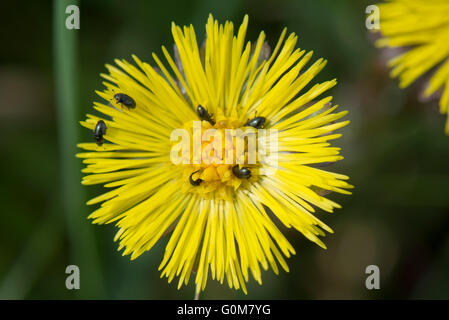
(219, 215)
(421, 27)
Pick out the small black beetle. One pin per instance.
(242, 173)
(99, 131)
(126, 100)
(204, 115)
(195, 182)
(256, 122)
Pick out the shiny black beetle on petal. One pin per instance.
(195, 182)
(256, 122)
(204, 115)
(99, 131)
(126, 100)
(242, 173)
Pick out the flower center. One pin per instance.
(218, 157)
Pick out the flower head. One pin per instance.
(422, 28)
(222, 215)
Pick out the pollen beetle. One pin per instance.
(126, 100)
(242, 173)
(204, 115)
(99, 131)
(195, 182)
(256, 122)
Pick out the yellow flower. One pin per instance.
(218, 213)
(422, 27)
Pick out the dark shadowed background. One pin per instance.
(395, 152)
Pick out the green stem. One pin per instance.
(197, 293)
(82, 242)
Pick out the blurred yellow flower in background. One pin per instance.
(219, 220)
(422, 28)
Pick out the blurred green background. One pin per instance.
(395, 152)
